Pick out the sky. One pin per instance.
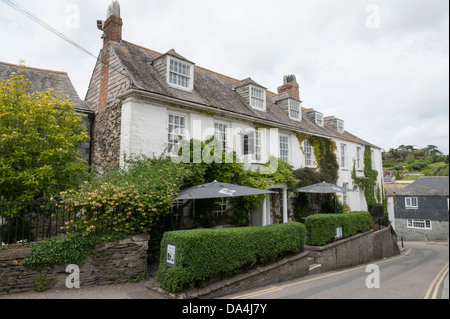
(382, 66)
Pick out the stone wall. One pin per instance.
(110, 263)
(359, 249)
(439, 231)
(106, 138)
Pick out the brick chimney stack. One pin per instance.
(290, 86)
(112, 28)
(113, 24)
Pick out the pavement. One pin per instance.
(130, 290)
(139, 290)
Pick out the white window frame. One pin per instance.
(180, 75)
(258, 146)
(419, 224)
(308, 153)
(223, 207)
(340, 126)
(319, 119)
(261, 105)
(177, 131)
(409, 203)
(220, 131)
(295, 108)
(343, 155)
(284, 152)
(358, 157)
(254, 145)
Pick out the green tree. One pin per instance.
(432, 150)
(39, 135)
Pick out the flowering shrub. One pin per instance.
(128, 201)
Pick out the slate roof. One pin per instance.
(213, 90)
(43, 80)
(427, 186)
(393, 188)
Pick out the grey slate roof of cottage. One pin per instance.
(213, 90)
(245, 82)
(43, 80)
(427, 186)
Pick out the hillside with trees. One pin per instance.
(406, 160)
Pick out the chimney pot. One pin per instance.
(113, 9)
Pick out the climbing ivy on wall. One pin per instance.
(369, 181)
(325, 153)
(327, 170)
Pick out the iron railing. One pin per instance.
(26, 222)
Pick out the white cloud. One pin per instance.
(389, 84)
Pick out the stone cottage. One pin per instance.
(421, 209)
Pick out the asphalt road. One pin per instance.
(421, 271)
(415, 274)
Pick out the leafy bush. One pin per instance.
(203, 254)
(321, 229)
(65, 249)
(128, 201)
(41, 283)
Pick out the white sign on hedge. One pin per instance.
(170, 254)
(339, 233)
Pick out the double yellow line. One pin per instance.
(434, 287)
(258, 293)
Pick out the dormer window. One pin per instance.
(252, 93)
(257, 98)
(180, 74)
(319, 119)
(340, 126)
(335, 123)
(294, 110)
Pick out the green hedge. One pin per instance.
(321, 229)
(203, 254)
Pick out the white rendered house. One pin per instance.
(148, 102)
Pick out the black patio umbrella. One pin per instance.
(219, 190)
(325, 188)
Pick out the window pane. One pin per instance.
(284, 148)
(294, 109)
(257, 98)
(179, 73)
(246, 145)
(176, 132)
(308, 152)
